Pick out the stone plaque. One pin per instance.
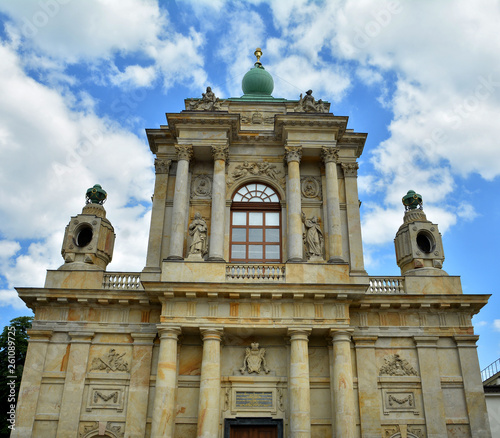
(248, 399)
(400, 401)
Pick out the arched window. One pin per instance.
(255, 225)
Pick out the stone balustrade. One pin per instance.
(122, 281)
(387, 285)
(275, 273)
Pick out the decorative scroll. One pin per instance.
(395, 366)
(112, 361)
(255, 169)
(201, 187)
(254, 361)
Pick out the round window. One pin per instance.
(425, 242)
(84, 236)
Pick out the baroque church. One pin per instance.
(254, 316)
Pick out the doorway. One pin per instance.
(253, 428)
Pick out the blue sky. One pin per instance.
(80, 80)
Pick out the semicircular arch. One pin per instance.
(256, 180)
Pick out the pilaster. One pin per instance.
(138, 393)
(31, 382)
(74, 384)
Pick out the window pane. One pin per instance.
(238, 251)
(239, 235)
(272, 235)
(255, 200)
(255, 251)
(272, 219)
(274, 198)
(261, 188)
(255, 218)
(239, 218)
(237, 197)
(255, 235)
(272, 252)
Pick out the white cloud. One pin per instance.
(496, 325)
(135, 76)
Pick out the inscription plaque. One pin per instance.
(248, 399)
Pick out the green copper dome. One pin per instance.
(257, 82)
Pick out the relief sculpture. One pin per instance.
(254, 361)
(112, 361)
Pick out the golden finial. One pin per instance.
(258, 54)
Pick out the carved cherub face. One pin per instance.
(254, 345)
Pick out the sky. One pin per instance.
(81, 80)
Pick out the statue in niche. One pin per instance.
(198, 233)
(208, 102)
(313, 238)
(254, 360)
(307, 104)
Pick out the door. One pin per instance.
(254, 432)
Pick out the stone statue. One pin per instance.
(254, 360)
(313, 238)
(307, 104)
(198, 233)
(208, 102)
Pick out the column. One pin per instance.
(138, 392)
(220, 154)
(208, 409)
(473, 386)
(181, 203)
(293, 154)
(368, 393)
(31, 382)
(153, 259)
(74, 384)
(163, 420)
(300, 397)
(330, 157)
(353, 219)
(431, 386)
(342, 385)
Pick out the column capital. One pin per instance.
(350, 169)
(299, 333)
(364, 341)
(169, 332)
(162, 165)
(426, 341)
(220, 152)
(293, 153)
(184, 152)
(143, 338)
(330, 154)
(81, 337)
(341, 335)
(211, 333)
(39, 335)
(467, 341)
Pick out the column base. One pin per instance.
(295, 260)
(216, 259)
(174, 258)
(337, 261)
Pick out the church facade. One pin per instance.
(254, 316)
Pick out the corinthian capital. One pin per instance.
(184, 152)
(293, 153)
(329, 154)
(220, 152)
(350, 169)
(162, 165)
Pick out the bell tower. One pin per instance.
(89, 237)
(419, 247)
